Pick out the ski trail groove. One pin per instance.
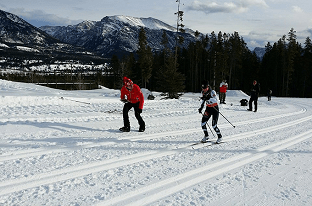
(164, 188)
(15, 185)
(58, 149)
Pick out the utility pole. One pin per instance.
(179, 29)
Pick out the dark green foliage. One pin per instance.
(170, 82)
(145, 58)
(286, 67)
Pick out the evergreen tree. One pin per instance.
(129, 66)
(235, 61)
(116, 80)
(306, 90)
(170, 81)
(180, 28)
(212, 58)
(292, 52)
(281, 64)
(145, 58)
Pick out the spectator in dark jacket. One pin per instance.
(254, 95)
(269, 94)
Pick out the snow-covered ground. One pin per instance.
(64, 148)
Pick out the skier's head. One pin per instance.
(128, 82)
(205, 86)
(254, 82)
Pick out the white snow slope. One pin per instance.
(64, 148)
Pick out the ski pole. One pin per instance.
(75, 101)
(224, 117)
(210, 129)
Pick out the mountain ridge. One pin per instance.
(117, 34)
(111, 35)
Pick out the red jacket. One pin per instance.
(133, 96)
(223, 87)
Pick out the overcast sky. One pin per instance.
(257, 21)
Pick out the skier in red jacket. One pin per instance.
(132, 95)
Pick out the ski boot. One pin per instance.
(205, 139)
(219, 140)
(125, 129)
(142, 129)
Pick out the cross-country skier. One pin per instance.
(132, 95)
(212, 109)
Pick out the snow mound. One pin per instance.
(236, 93)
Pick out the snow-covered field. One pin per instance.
(64, 148)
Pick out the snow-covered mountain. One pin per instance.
(17, 34)
(15, 30)
(111, 35)
(116, 34)
(259, 52)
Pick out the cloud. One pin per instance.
(227, 7)
(41, 16)
(297, 9)
(250, 3)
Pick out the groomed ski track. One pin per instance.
(241, 149)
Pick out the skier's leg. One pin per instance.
(125, 111)
(256, 104)
(250, 104)
(215, 117)
(138, 116)
(204, 121)
(221, 97)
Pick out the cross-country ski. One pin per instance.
(198, 145)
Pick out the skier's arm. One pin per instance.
(201, 106)
(203, 98)
(139, 95)
(123, 94)
(141, 98)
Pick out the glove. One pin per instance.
(124, 100)
(200, 110)
(207, 96)
(139, 111)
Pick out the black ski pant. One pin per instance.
(222, 97)
(255, 100)
(137, 113)
(214, 112)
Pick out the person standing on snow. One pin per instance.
(212, 109)
(223, 88)
(269, 94)
(132, 95)
(254, 95)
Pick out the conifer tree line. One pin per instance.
(286, 67)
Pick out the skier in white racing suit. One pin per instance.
(212, 109)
